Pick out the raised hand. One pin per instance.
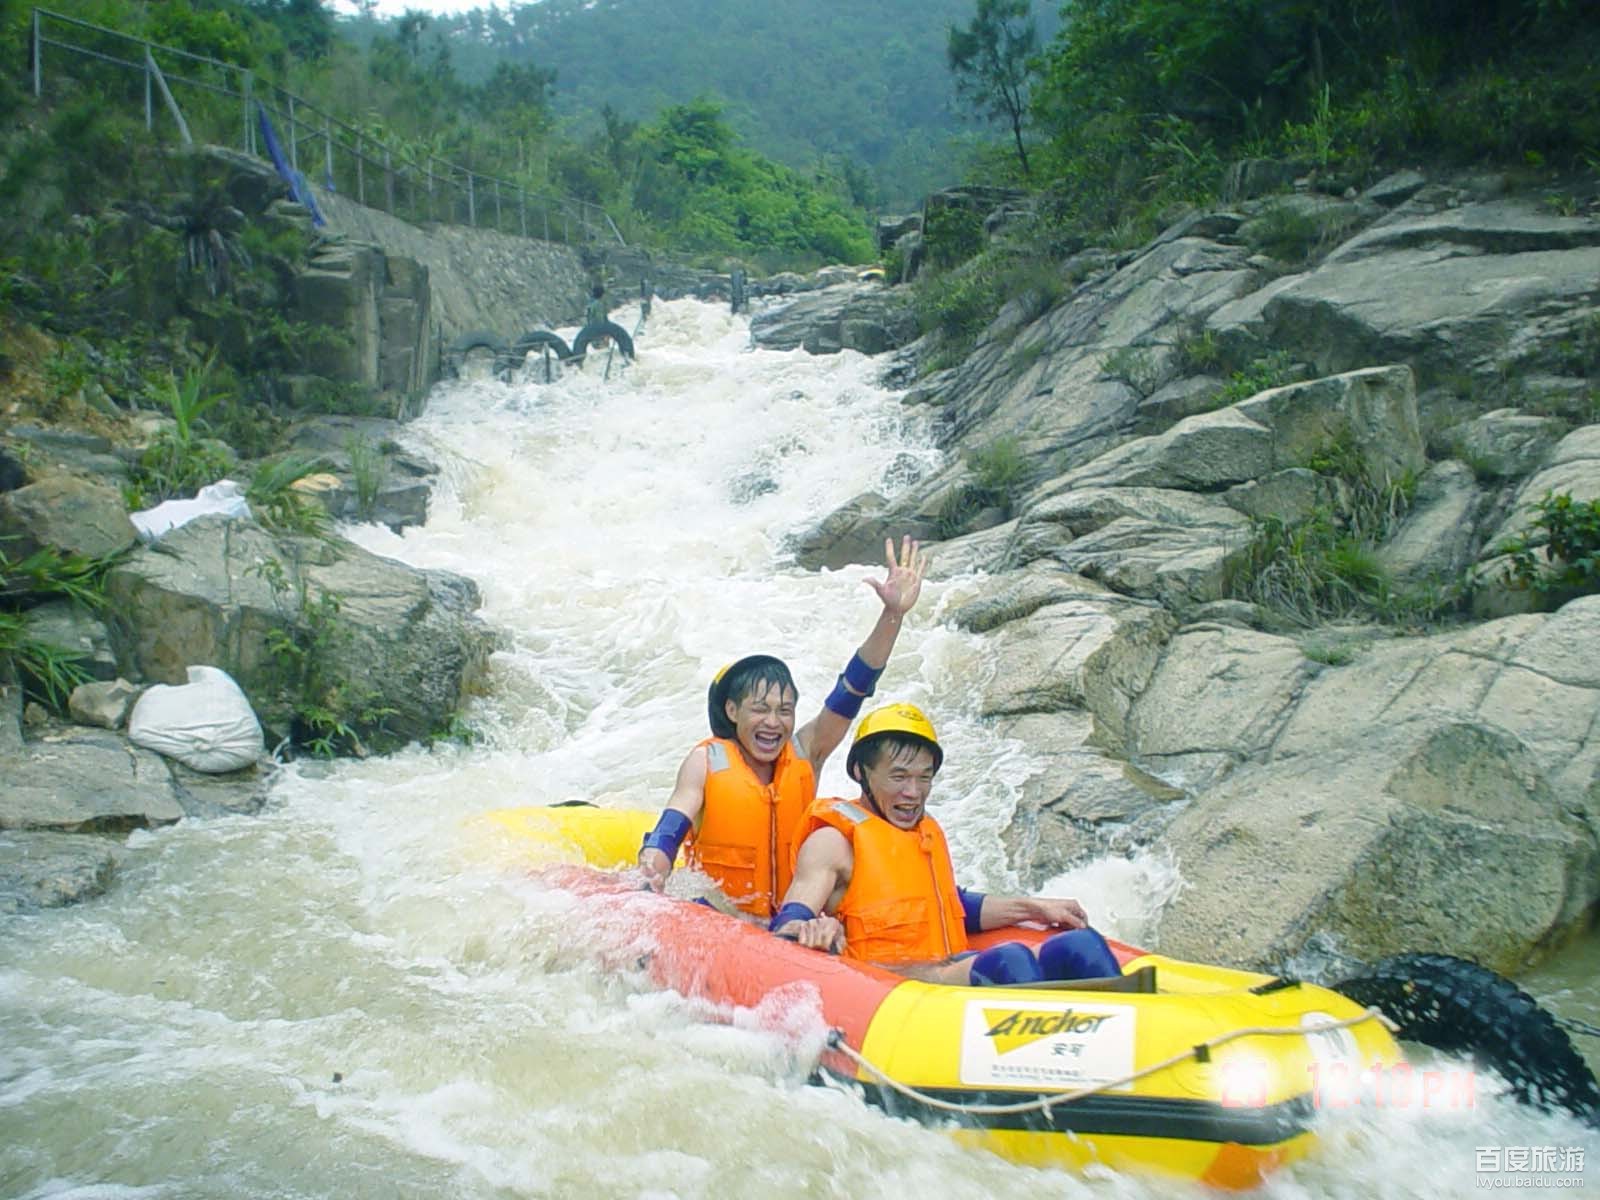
(902, 583)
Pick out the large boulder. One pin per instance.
(373, 477)
(1440, 794)
(1436, 540)
(48, 870)
(1081, 802)
(65, 513)
(1571, 469)
(1153, 543)
(78, 631)
(1447, 290)
(70, 790)
(1451, 841)
(1061, 642)
(80, 780)
(1218, 698)
(863, 317)
(303, 622)
(1373, 411)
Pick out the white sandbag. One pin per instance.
(224, 496)
(206, 723)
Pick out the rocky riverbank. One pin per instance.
(1412, 372)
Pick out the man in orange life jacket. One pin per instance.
(744, 789)
(878, 872)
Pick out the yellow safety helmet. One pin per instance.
(905, 719)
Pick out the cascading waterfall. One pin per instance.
(354, 994)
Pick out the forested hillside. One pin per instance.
(863, 87)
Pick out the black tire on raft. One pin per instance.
(610, 329)
(1459, 1007)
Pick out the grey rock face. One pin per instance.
(49, 870)
(65, 513)
(215, 591)
(1391, 792)
(105, 704)
(850, 316)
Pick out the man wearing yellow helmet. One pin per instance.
(873, 878)
(743, 790)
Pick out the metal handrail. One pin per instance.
(398, 166)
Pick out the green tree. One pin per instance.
(989, 59)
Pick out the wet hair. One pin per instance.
(874, 749)
(747, 677)
(598, 290)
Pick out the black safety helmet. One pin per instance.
(737, 680)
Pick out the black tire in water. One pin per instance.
(477, 339)
(534, 339)
(1459, 1007)
(610, 329)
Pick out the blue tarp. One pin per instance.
(298, 187)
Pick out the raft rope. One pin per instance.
(1200, 1052)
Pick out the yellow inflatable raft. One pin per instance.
(1200, 1072)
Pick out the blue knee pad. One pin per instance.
(1010, 963)
(1077, 954)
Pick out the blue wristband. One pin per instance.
(859, 677)
(972, 907)
(843, 701)
(668, 835)
(792, 911)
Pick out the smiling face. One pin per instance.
(897, 781)
(763, 721)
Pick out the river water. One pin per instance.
(355, 994)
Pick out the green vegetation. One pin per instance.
(989, 58)
(1199, 353)
(47, 671)
(1263, 374)
(330, 714)
(861, 96)
(1558, 556)
(701, 192)
(1136, 102)
(275, 501)
(1326, 567)
(179, 461)
(1328, 653)
(998, 473)
(1135, 366)
(961, 302)
(366, 471)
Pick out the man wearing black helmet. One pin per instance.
(743, 790)
(873, 878)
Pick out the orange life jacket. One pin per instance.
(746, 830)
(901, 904)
